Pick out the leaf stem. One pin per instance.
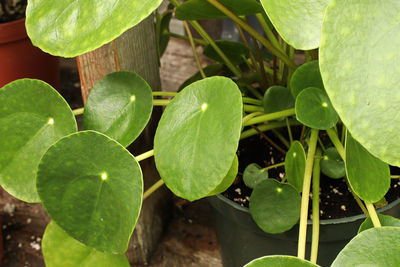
(270, 116)
(145, 155)
(273, 166)
(78, 111)
(253, 101)
(280, 54)
(289, 129)
(266, 127)
(163, 93)
(315, 208)
(268, 32)
(152, 189)
(196, 56)
(183, 37)
(373, 215)
(336, 142)
(252, 108)
(284, 141)
(301, 251)
(161, 102)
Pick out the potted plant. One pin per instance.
(20, 59)
(92, 187)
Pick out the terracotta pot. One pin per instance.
(20, 59)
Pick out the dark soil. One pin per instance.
(335, 199)
(12, 10)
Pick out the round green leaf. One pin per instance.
(277, 98)
(332, 165)
(236, 52)
(358, 60)
(274, 206)
(69, 28)
(253, 174)
(200, 9)
(279, 261)
(368, 176)
(307, 75)
(32, 117)
(197, 137)
(119, 106)
(59, 249)
(314, 109)
(287, 15)
(377, 247)
(384, 219)
(229, 178)
(92, 188)
(295, 165)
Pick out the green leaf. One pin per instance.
(274, 206)
(69, 28)
(196, 139)
(32, 117)
(295, 165)
(229, 178)
(162, 29)
(287, 15)
(384, 219)
(236, 52)
(277, 98)
(377, 247)
(362, 82)
(200, 9)
(314, 109)
(279, 261)
(332, 165)
(307, 75)
(119, 106)
(254, 174)
(368, 176)
(92, 187)
(59, 249)
(210, 70)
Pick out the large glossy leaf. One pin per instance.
(59, 249)
(274, 206)
(359, 65)
(384, 219)
(32, 117)
(119, 106)
(92, 188)
(279, 261)
(295, 165)
(368, 176)
(237, 52)
(314, 109)
(197, 137)
(70, 28)
(307, 75)
(254, 174)
(277, 98)
(287, 15)
(332, 165)
(377, 247)
(200, 9)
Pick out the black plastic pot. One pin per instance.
(241, 240)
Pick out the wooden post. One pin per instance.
(135, 50)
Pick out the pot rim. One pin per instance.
(309, 222)
(12, 31)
